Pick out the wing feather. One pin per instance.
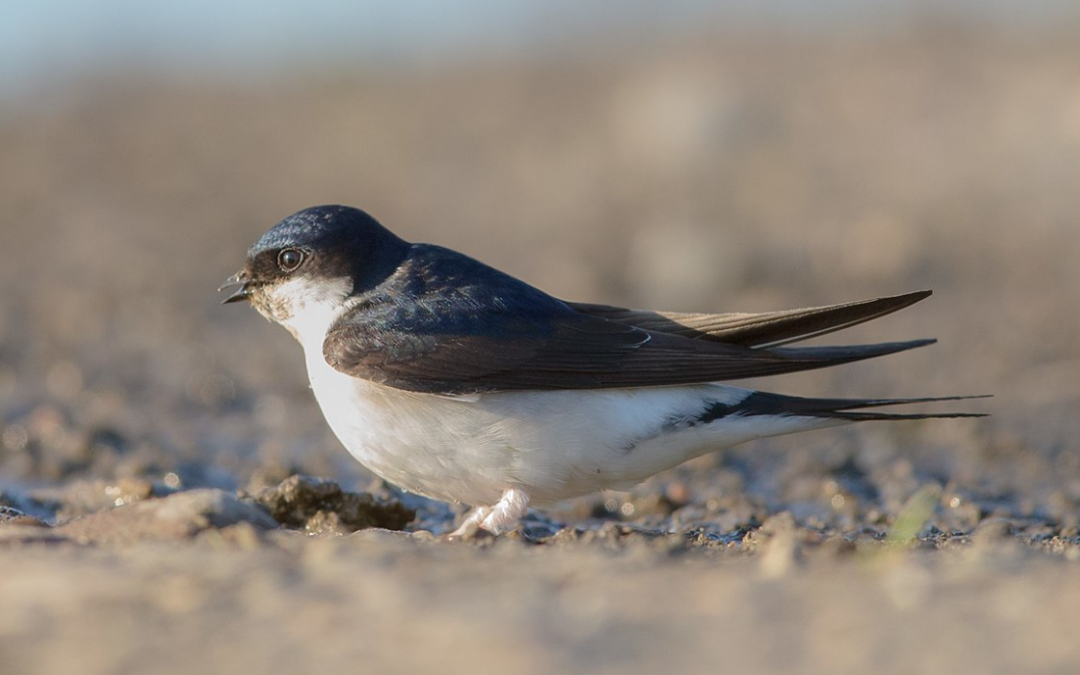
(580, 352)
(445, 323)
(766, 329)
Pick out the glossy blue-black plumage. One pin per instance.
(340, 242)
(444, 322)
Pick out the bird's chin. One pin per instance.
(272, 308)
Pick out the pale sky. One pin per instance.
(44, 40)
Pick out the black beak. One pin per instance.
(242, 285)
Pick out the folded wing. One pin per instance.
(520, 341)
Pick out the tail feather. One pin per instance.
(778, 405)
(842, 408)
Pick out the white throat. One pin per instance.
(307, 307)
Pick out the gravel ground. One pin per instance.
(171, 499)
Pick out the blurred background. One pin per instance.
(687, 155)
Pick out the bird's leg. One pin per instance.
(506, 515)
(469, 527)
(497, 519)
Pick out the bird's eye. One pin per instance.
(289, 259)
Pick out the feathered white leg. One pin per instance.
(469, 526)
(497, 519)
(506, 515)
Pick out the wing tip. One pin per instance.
(908, 299)
(838, 355)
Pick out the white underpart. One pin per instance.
(509, 449)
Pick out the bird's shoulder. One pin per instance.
(446, 323)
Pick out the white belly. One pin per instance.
(554, 445)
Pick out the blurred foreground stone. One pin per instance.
(179, 516)
(313, 505)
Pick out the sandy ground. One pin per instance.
(722, 172)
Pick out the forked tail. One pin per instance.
(764, 403)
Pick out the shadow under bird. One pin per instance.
(456, 381)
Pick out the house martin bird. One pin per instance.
(456, 381)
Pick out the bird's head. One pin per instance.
(301, 272)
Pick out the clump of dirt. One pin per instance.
(319, 506)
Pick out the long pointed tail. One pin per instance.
(764, 403)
